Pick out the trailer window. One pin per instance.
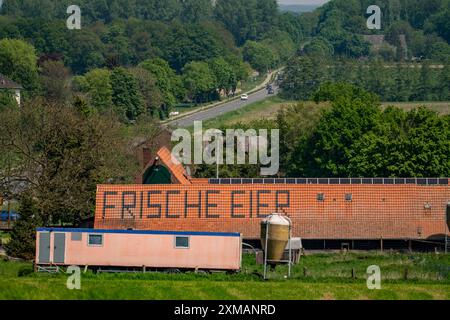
(76, 236)
(181, 242)
(95, 240)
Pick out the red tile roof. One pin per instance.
(175, 167)
(375, 211)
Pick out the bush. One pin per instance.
(23, 236)
(25, 271)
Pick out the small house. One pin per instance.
(9, 85)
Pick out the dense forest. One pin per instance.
(195, 51)
(167, 51)
(339, 25)
(395, 82)
(413, 69)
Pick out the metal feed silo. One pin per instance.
(275, 234)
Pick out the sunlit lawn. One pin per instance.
(328, 276)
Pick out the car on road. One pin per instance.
(244, 97)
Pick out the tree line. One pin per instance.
(338, 27)
(166, 54)
(395, 82)
(349, 134)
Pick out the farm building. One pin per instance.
(343, 210)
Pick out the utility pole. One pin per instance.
(9, 214)
(446, 226)
(218, 148)
(217, 159)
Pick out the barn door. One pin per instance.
(44, 247)
(59, 249)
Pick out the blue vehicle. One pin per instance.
(4, 215)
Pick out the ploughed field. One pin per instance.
(318, 276)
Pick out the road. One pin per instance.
(212, 113)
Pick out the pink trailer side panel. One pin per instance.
(152, 250)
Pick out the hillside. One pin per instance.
(338, 26)
(298, 8)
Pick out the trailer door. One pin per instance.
(44, 247)
(59, 248)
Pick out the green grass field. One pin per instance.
(328, 276)
(4, 237)
(265, 109)
(440, 107)
(268, 108)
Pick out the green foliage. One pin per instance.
(152, 96)
(55, 81)
(348, 134)
(196, 10)
(260, 56)
(7, 99)
(96, 84)
(62, 153)
(296, 124)
(393, 82)
(319, 47)
(413, 144)
(440, 23)
(18, 62)
(303, 76)
(168, 83)
(247, 19)
(341, 22)
(86, 51)
(440, 52)
(333, 92)
(23, 236)
(281, 44)
(120, 32)
(126, 97)
(356, 138)
(331, 144)
(328, 276)
(226, 78)
(199, 81)
(187, 43)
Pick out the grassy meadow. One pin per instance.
(268, 108)
(318, 276)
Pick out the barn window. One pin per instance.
(95, 240)
(320, 197)
(181, 242)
